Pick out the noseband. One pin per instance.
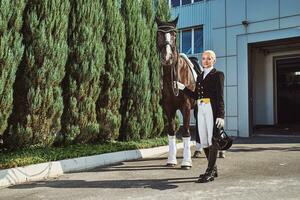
(174, 71)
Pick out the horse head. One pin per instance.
(166, 41)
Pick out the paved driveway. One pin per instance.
(256, 168)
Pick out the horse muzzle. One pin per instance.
(165, 62)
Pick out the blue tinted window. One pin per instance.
(197, 0)
(198, 40)
(187, 42)
(175, 3)
(184, 2)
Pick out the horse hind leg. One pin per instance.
(186, 137)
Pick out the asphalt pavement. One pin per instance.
(254, 168)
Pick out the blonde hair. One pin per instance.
(212, 54)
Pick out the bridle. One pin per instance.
(174, 70)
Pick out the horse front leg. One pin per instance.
(172, 161)
(186, 137)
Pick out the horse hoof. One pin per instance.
(186, 167)
(171, 165)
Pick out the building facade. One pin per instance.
(257, 43)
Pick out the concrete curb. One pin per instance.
(43, 171)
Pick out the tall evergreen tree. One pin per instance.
(85, 63)
(163, 10)
(136, 121)
(38, 102)
(155, 71)
(112, 78)
(11, 51)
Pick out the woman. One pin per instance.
(210, 115)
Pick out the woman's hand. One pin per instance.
(220, 123)
(180, 85)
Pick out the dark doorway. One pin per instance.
(274, 88)
(288, 91)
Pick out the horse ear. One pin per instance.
(174, 22)
(157, 20)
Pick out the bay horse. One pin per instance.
(176, 67)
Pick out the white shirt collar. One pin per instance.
(206, 71)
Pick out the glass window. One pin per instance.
(187, 41)
(191, 41)
(175, 3)
(184, 2)
(197, 0)
(198, 40)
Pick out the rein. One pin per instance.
(174, 72)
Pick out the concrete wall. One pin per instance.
(268, 20)
(196, 14)
(229, 38)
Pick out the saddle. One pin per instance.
(197, 67)
(193, 64)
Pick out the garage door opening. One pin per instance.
(274, 97)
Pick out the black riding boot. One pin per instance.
(206, 151)
(211, 171)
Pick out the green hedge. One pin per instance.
(82, 71)
(109, 101)
(85, 65)
(11, 51)
(135, 104)
(38, 101)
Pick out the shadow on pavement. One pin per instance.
(253, 149)
(157, 184)
(267, 140)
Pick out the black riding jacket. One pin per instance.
(211, 87)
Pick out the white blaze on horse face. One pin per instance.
(168, 46)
